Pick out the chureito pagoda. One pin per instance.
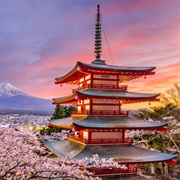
(99, 124)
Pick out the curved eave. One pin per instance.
(65, 123)
(122, 122)
(66, 99)
(82, 69)
(72, 76)
(111, 94)
(64, 149)
(122, 154)
(121, 70)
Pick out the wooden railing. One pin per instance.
(105, 86)
(115, 171)
(109, 112)
(102, 86)
(110, 141)
(99, 141)
(76, 112)
(100, 112)
(77, 138)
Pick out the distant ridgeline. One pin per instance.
(13, 100)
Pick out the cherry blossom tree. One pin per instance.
(23, 157)
(168, 141)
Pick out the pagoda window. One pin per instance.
(85, 135)
(76, 133)
(80, 102)
(88, 77)
(81, 80)
(86, 101)
(89, 82)
(87, 107)
(79, 109)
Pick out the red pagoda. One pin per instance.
(99, 125)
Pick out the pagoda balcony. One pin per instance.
(114, 171)
(108, 112)
(103, 86)
(76, 112)
(110, 141)
(100, 141)
(77, 138)
(100, 112)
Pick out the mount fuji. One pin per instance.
(8, 90)
(12, 98)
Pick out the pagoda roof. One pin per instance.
(82, 69)
(66, 123)
(110, 94)
(122, 153)
(117, 122)
(100, 122)
(104, 93)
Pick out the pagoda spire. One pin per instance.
(98, 40)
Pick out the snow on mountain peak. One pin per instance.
(8, 90)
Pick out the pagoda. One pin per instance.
(99, 124)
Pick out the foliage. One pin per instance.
(59, 112)
(48, 130)
(62, 111)
(169, 141)
(159, 113)
(172, 96)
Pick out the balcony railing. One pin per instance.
(108, 112)
(104, 171)
(100, 112)
(100, 141)
(77, 138)
(111, 141)
(103, 86)
(76, 112)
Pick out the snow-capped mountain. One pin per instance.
(8, 90)
(13, 98)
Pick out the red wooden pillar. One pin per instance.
(91, 81)
(123, 135)
(90, 106)
(89, 136)
(117, 82)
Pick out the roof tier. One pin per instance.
(124, 153)
(106, 122)
(125, 96)
(125, 73)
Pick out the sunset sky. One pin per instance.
(43, 39)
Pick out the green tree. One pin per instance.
(58, 112)
(62, 111)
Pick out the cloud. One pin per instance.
(41, 41)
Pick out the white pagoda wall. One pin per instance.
(107, 81)
(105, 107)
(106, 135)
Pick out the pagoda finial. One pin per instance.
(98, 34)
(98, 47)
